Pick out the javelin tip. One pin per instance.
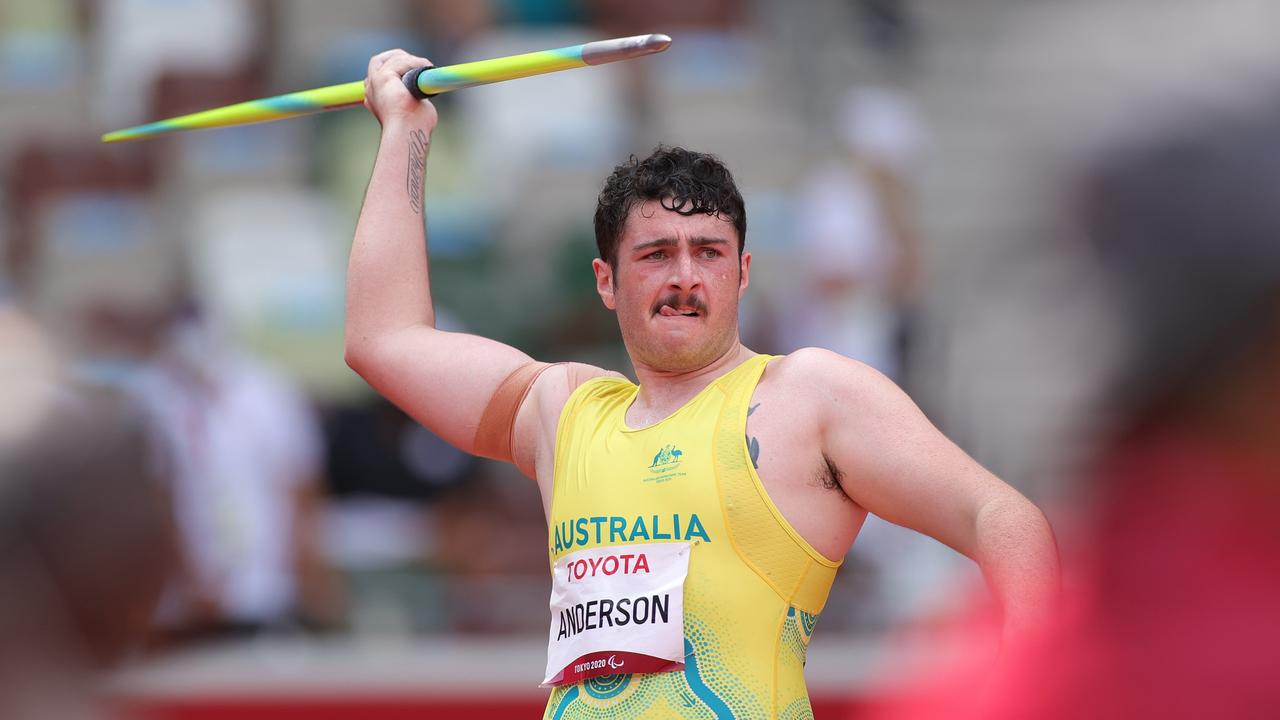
(607, 51)
(657, 42)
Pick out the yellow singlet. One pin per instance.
(754, 588)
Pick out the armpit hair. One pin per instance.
(830, 476)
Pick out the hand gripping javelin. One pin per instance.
(422, 82)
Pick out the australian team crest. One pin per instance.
(667, 458)
(666, 464)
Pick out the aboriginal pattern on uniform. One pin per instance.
(754, 587)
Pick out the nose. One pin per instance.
(684, 274)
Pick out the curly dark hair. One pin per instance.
(682, 180)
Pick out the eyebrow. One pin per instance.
(671, 242)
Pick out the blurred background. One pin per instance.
(910, 169)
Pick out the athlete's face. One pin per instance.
(676, 288)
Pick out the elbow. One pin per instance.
(1018, 554)
(355, 353)
(352, 358)
(1012, 521)
(1010, 506)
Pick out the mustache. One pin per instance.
(674, 300)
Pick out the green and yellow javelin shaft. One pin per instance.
(424, 82)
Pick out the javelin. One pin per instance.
(422, 82)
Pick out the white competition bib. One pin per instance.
(617, 609)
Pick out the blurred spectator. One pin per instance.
(375, 450)
(1177, 614)
(386, 473)
(857, 244)
(86, 541)
(858, 237)
(1174, 610)
(247, 452)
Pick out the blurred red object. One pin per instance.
(1173, 612)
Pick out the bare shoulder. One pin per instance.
(823, 373)
(835, 389)
(539, 414)
(554, 386)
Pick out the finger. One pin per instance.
(403, 63)
(378, 60)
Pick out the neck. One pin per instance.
(664, 391)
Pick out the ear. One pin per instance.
(744, 277)
(604, 282)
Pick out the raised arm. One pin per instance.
(897, 465)
(444, 380)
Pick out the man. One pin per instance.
(1172, 612)
(86, 539)
(245, 483)
(696, 520)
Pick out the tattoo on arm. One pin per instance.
(417, 169)
(753, 444)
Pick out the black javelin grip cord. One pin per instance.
(411, 81)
